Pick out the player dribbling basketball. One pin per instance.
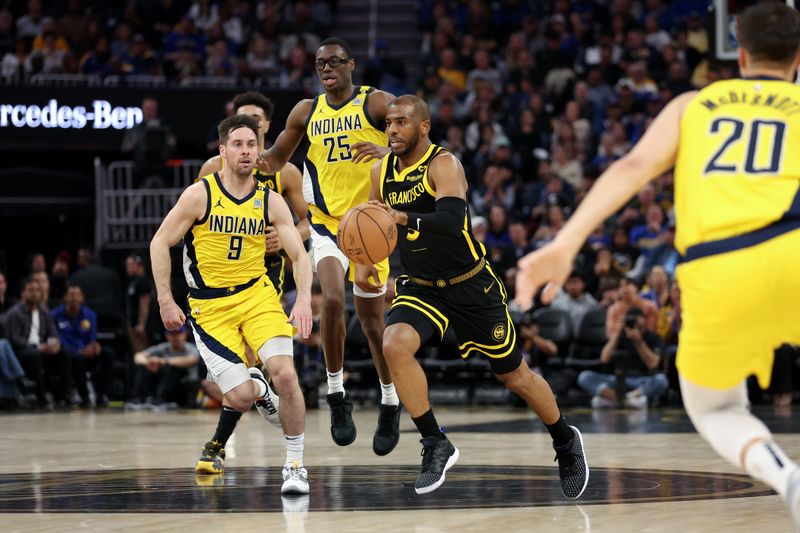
(448, 282)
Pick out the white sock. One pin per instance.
(294, 449)
(336, 381)
(389, 394)
(262, 388)
(766, 462)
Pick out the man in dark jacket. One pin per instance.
(33, 336)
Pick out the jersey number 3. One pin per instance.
(764, 138)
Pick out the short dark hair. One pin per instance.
(27, 281)
(335, 41)
(770, 32)
(254, 98)
(71, 285)
(233, 123)
(420, 108)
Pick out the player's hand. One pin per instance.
(273, 242)
(549, 265)
(399, 217)
(367, 279)
(366, 151)
(301, 317)
(171, 315)
(264, 166)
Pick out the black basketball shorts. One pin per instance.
(476, 310)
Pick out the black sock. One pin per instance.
(560, 432)
(427, 425)
(227, 423)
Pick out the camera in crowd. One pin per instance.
(632, 318)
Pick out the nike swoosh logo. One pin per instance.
(487, 289)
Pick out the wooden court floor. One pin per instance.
(133, 471)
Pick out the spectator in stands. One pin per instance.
(6, 32)
(101, 288)
(647, 237)
(632, 357)
(43, 279)
(34, 338)
(6, 301)
(536, 350)
(150, 143)
(449, 70)
(35, 262)
(574, 299)
(11, 374)
(165, 373)
(657, 287)
(218, 62)
(297, 71)
(260, 63)
(627, 297)
(138, 299)
(74, 23)
(624, 255)
(664, 254)
(77, 329)
(29, 25)
(141, 59)
(669, 328)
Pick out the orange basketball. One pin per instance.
(367, 234)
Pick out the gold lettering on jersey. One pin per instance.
(405, 197)
(784, 104)
(235, 225)
(325, 126)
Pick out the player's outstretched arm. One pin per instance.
(367, 277)
(653, 155)
(276, 157)
(191, 206)
(377, 107)
(281, 218)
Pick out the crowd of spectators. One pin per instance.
(269, 43)
(535, 98)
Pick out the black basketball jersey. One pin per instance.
(425, 255)
(273, 181)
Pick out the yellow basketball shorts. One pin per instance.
(323, 244)
(737, 307)
(223, 325)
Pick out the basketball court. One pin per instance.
(114, 471)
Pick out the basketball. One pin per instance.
(367, 234)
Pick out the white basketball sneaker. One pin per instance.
(793, 496)
(269, 405)
(295, 479)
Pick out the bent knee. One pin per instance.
(516, 379)
(240, 402)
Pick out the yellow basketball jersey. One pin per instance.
(226, 248)
(332, 183)
(738, 166)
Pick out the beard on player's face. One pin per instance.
(409, 143)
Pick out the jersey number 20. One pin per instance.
(768, 135)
